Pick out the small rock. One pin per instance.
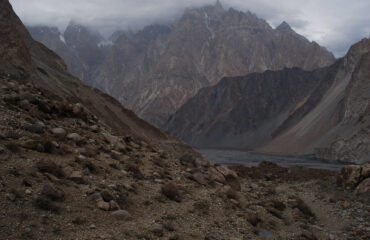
(28, 192)
(77, 177)
(74, 137)
(11, 196)
(345, 205)
(215, 175)
(59, 132)
(94, 128)
(2, 149)
(92, 226)
(107, 196)
(103, 205)
(35, 128)
(113, 206)
(363, 187)
(157, 229)
(187, 159)
(122, 215)
(349, 176)
(51, 167)
(53, 193)
(226, 171)
(27, 96)
(158, 180)
(200, 178)
(27, 182)
(115, 155)
(96, 197)
(78, 109)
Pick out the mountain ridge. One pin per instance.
(155, 70)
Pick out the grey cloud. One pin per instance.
(335, 24)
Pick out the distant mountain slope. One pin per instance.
(53, 39)
(325, 111)
(82, 49)
(156, 70)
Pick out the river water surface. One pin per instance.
(235, 157)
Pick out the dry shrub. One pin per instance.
(171, 191)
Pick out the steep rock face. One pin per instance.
(81, 48)
(88, 45)
(24, 59)
(337, 126)
(157, 69)
(243, 112)
(54, 40)
(325, 111)
(354, 144)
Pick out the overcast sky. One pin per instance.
(335, 24)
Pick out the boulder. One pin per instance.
(115, 155)
(35, 128)
(74, 137)
(122, 215)
(59, 132)
(365, 170)
(200, 178)
(106, 195)
(215, 175)
(187, 159)
(363, 187)
(157, 229)
(350, 176)
(2, 149)
(226, 171)
(231, 177)
(113, 206)
(103, 205)
(53, 193)
(48, 166)
(77, 177)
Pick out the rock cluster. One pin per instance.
(355, 177)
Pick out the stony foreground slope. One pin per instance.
(65, 175)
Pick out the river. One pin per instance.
(245, 158)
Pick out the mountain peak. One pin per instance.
(218, 5)
(284, 27)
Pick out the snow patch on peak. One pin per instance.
(207, 22)
(105, 43)
(62, 38)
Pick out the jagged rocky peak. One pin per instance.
(284, 27)
(75, 29)
(47, 35)
(218, 5)
(152, 31)
(43, 29)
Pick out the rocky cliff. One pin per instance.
(54, 40)
(82, 49)
(291, 111)
(154, 71)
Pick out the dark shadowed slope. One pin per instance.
(289, 111)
